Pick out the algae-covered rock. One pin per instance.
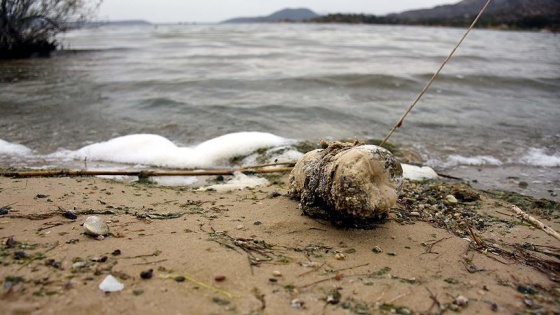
(348, 183)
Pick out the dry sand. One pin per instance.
(270, 259)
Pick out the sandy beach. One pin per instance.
(178, 250)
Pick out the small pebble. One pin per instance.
(240, 227)
(415, 214)
(220, 278)
(147, 274)
(99, 259)
(296, 303)
(340, 256)
(79, 264)
(3, 211)
(179, 278)
(116, 252)
(451, 199)
(10, 242)
(277, 273)
(41, 196)
(461, 300)
(273, 280)
(70, 215)
(377, 249)
(19, 254)
(257, 223)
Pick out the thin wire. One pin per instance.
(400, 122)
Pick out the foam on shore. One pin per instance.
(155, 150)
(149, 150)
(11, 149)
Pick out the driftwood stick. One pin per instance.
(536, 223)
(143, 173)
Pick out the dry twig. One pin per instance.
(536, 223)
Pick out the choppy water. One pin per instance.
(493, 115)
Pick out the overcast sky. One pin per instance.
(162, 11)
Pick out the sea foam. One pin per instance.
(538, 157)
(455, 160)
(155, 150)
(8, 148)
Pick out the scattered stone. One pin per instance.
(277, 273)
(273, 280)
(41, 196)
(148, 274)
(219, 278)
(528, 302)
(99, 259)
(334, 297)
(414, 214)
(451, 200)
(340, 256)
(274, 194)
(240, 227)
(19, 254)
(350, 184)
(137, 292)
(69, 215)
(10, 242)
(220, 301)
(4, 211)
(116, 252)
(461, 301)
(296, 303)
(526, 290)
(111, 284)
(53, 263)
(79, 264)
(523, 185)
(180, 279)
(257, 223)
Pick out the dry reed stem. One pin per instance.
(144, 173)
(401, 121)
(536, 223)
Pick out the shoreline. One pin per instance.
(253, 251)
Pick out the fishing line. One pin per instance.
(400, 122)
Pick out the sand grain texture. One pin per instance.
(274, 260)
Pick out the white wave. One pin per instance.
(8, 148)
(538, 157)
(155, 150)
(455, 160)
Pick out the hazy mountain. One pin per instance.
(522, 14)
(286, 15)
(508, 9)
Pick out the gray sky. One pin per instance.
(219, 10)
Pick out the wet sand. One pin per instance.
(252, 252)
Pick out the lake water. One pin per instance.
(493, 115)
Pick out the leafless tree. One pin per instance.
(28, 27)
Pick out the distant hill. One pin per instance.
(286, 15)
(517, 14)
(521, 13)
